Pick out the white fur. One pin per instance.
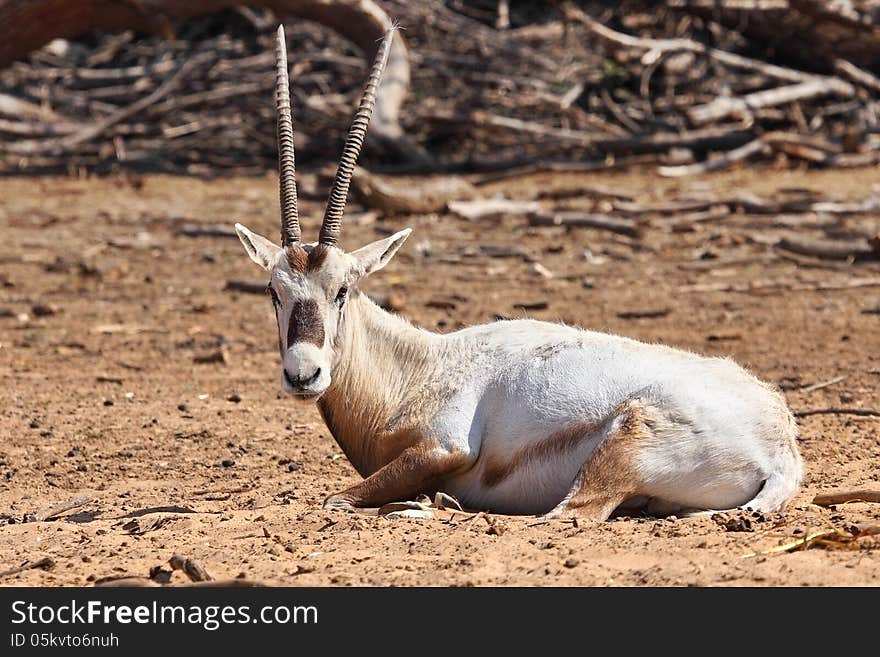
(528, 379)
(721, 438)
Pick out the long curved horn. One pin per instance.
(353, 143)
(286, 163)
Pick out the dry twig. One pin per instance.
(844, 497)
(836, 410)
(190, 567)
(57, 509)
(46, 563)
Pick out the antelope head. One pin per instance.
(309, 283)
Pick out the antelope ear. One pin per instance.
(376, 255)
(261, 250)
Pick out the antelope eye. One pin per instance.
(340, 296)
(274, 295)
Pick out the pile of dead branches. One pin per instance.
(690, 85)
(200, 103)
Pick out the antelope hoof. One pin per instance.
(338, 503)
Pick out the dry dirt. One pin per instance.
(103, 309)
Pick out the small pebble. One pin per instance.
(108, 402)
(571, 563)
(541, 270)
(234, 398)
(227, 463)
(43, 310)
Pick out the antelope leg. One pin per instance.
(418, 469)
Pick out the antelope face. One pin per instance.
(308, 286)
(309, 283)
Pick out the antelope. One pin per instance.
(516, 416)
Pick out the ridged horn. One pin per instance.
(286, 163)
(354, 141)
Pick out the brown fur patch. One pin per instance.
(555, 444)
(608, 478)
(305, 324)
(297, 258)
(367, 447)
(304, 262)
(374, 424)
(317, 256)
(417, 469)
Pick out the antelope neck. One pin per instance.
(382, 364)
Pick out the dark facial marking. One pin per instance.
(317, 256)
(305, 321)
(303, 262)
(305, 324)
(297, 258)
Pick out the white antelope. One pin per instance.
(518, 417)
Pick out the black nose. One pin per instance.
(303, 382)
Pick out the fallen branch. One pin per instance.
(650, 313)
(844, 497)
(854, 160)
(205, 230)
(801, 146)
(488, 208)
(495, 171)
(857, 75)
(576, 219)
(657, 47)
(125, 581)
(834, 410)
(46, 563)
(391, 196)
(833, 538)
(758, 286)
(57, 509)
(238, 582)
(669, 207)
(712, 136)
(484, 119)
(686, 221)
(21, 109)
(823, 384)
(715, 163)
(190, 567)
(495, 251)
(833, 249)
(721, 108)
(58, 146)
(245, 286)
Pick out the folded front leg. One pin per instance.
(417, 469)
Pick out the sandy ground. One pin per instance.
(104, 311)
